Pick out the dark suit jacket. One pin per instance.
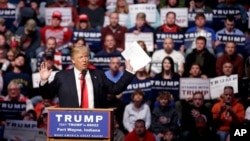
(64, 86)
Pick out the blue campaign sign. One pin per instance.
(208, 15)
(144, 85)
(220, 14)
(92, 38)
(178, 39)
(191, 37)
(240, 41)
(12, 110)
(79, 124)
(170, 85)
(9, 15)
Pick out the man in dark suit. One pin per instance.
(72, 93)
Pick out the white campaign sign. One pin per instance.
(146, 37)
(181, 16)
(20, 130)
(217, 85)
(188, 86)
(66, 15)
(149, 9)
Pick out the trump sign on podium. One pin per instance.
(74, 123)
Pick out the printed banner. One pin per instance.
(12, 110)
(92, 38)
(144, 85)
(181, 16)
(79, 124)
(171, 85)
(149, 9)
(9, 15)
(20, 130)
(208, 15)
(178, 39)
(189, 41)
(217, 85)
(188, 86)
(36, 78)
(66, 15)
(130, 38)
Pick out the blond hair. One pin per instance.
(76, 50)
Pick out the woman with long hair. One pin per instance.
(167, 71)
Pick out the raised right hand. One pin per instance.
(44, 72)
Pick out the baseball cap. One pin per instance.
(57, 14)
(30, 25)
(83, 17)
(2, 21)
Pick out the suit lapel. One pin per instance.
(72, 87)
(94, 80)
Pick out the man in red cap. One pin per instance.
(62, 34)
(64, 3)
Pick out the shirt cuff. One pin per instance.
(130, 71)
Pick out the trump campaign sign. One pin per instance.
(74, 123)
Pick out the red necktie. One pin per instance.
(84, 93)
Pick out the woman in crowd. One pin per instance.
(167, 71)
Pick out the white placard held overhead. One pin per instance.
(149, 9)
(137, 56)
(181, 16)
(66, 15)
(146, 37)
(217, 85)
(36, 78)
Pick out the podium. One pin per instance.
(76, 124)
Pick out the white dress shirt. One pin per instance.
(89, 86)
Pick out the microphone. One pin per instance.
(84, 72)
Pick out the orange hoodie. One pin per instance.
(225, 121)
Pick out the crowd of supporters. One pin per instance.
(28, 40)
